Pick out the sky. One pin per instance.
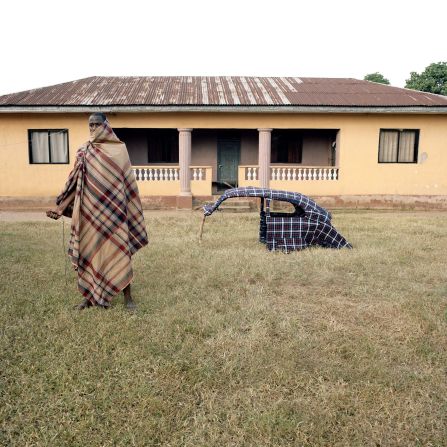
(48, 42)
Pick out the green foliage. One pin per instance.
(433, 79)
(376, 77)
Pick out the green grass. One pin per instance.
(231, 345)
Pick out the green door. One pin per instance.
(228, 153)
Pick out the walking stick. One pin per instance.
(201, 228)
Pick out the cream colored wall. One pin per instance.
(360, 173)
(316, 150)
(137, 148)
(20, 178)
(204, 150)
(249, 148)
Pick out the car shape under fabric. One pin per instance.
(308, 225)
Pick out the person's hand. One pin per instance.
(54, 214)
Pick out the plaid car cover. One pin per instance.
(107, 225)
(309, 225)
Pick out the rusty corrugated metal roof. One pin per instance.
(221, 91)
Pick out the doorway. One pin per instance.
(228, 156)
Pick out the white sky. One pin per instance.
(47, 42)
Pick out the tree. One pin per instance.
(376, 77)
(433, 79)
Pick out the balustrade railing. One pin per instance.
(293, 173)
(198, 173)
(166, 173)
(251, 173)
(304, 173)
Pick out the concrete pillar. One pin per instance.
(337, 149)
(185, 198)
(265, 146)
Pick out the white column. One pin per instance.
(185, 161)
(265, 144)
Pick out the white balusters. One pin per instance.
(278, 173)
(165, 174)
(304, 173)
(197, 174)
(251, 173)
(293, 174)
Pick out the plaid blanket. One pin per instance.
(107, 225)
(310, 224)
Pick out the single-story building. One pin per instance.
(342, 141)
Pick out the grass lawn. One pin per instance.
(231, 345)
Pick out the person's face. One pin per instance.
(94, 122)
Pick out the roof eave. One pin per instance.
(227, 109)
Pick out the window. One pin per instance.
(280, 208)
(398, 146)
(287, 147)
(48, 146)
(162, 146)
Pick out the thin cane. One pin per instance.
(201, 228)
(63, 250)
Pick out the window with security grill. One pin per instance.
(398, 146)
(49, 146)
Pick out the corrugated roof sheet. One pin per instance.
(222, 91)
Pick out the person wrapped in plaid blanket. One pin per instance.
(107, 227)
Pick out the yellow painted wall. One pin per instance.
(204, 150)
(360, 173)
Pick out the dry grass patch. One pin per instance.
(231, 345)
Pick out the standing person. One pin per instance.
(107, 227)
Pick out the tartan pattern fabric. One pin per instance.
(289, 233)
(297, 233)
(312, 210)
(107, 220)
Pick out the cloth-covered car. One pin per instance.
(309, 224)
